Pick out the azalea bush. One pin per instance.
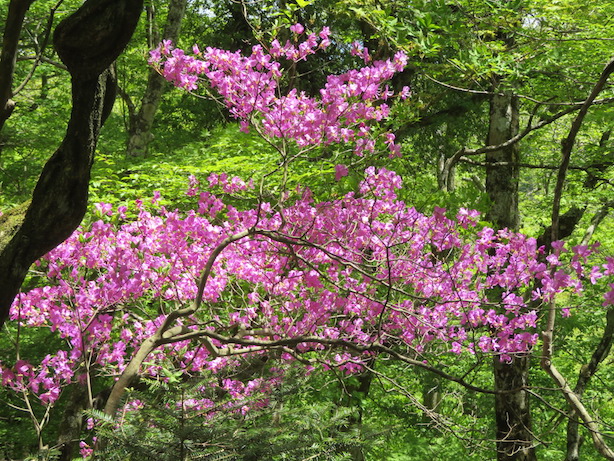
(359, 272)
(291, 281)
(345, 279)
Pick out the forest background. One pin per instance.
(492, 124)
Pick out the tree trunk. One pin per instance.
(72, 423)
(446, 174)
(88, 42)
(354, 394)
(502, 180)
(139, 131)
(431, 396)
(512, 412)
(10, 40)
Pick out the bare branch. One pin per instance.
(587, 168)
(54, 63)
(41, 48)
(586, 373)
(577, 104)
(463, 153)
(453, 160)
(568, 143)
(132, 112)
(548, 334)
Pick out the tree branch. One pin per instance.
(548, 334)
(168, 332)
(520, 96)
(40, 50)
(14, 22)
(586, 373)
(59, 65)
(587, 168)
(568, 143)
(464, 152)
(599, 216)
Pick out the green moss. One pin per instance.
(10, 222)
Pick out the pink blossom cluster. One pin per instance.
(608, 271)
(250, 87)
(364, 269)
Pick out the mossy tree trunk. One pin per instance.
(88, 42)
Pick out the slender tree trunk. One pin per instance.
(88, 42)
(14, 21)
(446, 175)
(512, 411)
(431, 396)
(139, 130)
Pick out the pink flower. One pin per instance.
(85, 450)
(298, 267)
(104, 209)
(297, 28)
(340, 171)
(50, 396)
(356, 49)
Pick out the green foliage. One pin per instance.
(290, 427)
(225, 149)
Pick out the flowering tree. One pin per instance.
(320, 283)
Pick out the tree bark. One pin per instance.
(72, 423)
(14, 21)
(355, 392)
(512, 411)
(502, 180)
(88, 42)
(139, 130)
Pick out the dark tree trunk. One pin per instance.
(72, 423)
(88, 42)
(10, 40)
(354, 393)
(512, 411)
